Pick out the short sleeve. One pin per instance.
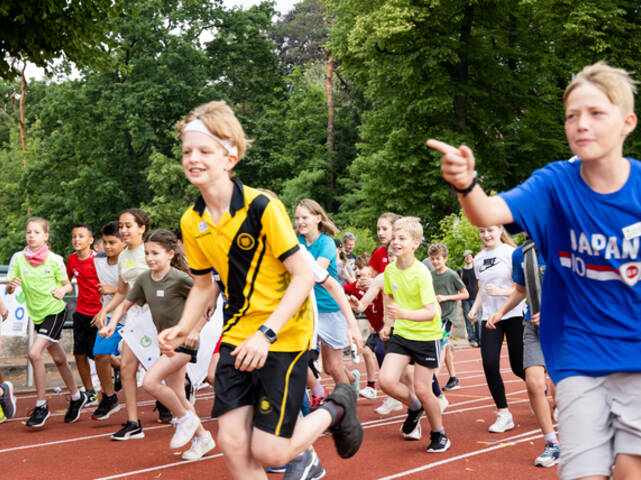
(196, 258)
(427, 288)
(518, 276)
(387, 281)
(278, 229)
(14, 266)
(61, 271)
(328, 248)
(68, 267)
(531, 203)
(185, 285)
(137, 293)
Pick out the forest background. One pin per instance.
(338, 95)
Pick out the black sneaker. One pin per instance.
(117, 380)
(92, 398)
(39, 416)
(348, 434)
(306, 466)
(164, 415)
(439, 442)
(412, 420)
(452, 384)
(108, 406)
(190, 394)
(73, 413)
(129, 431)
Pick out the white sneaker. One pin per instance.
(185, 429)
(389, 405)
(503, 423)
(199, 447)
(414, 434)
(443, 402)
(368, 392)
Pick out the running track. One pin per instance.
(83, 450)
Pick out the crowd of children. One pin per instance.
(282, 299)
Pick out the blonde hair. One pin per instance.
(326, 225)
(220, 120)
(616, 83)
(411, 225)
(438, 249)
(389, 217)
(43, 223)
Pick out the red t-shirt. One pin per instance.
(87, 279)
(374, 312)
(379, 259)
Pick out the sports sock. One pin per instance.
(76, 396)
(318, 390)
(371, 384)
(436, 388)
(335, 410)
(415, 405)
(551, 438)
(41, 403)
(442, 431)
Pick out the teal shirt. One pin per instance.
(412, 289)
(37, 284)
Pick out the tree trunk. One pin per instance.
(330, 126)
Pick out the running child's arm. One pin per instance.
(117, 299)
(197, 301)
(120, 311)
(495, 291)
(12, 285)
(252, 353)
(516, 297)
(457, 166)
(388, 320)
(425, 314)
(338, 294)
(473, 313)
(62, 290)
(462, 294)
(375, 288)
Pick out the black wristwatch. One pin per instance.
(270, 335)
(469, 188)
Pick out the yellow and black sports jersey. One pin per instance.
(247, 249)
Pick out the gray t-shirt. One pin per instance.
(447, 283)
(166, 297)
(107, 274)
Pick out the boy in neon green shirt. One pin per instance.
(410, 304)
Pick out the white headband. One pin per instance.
(199, 126)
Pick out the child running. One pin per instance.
(80, 265)
(315, 229)
(410, 303)
(41, 274)
(449, 289)
(248, 238)
(584, 216)
(106, 349)
(165, 287)
(493, 268)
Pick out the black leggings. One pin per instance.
(491, 343)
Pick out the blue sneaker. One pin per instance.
(355, 383)
(549, 457)
(282, 469)
(305, 466)
(7, 399)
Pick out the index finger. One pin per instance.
(441, 146)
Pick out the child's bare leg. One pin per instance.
(128, 368)
(627, 467)
(234, 440)
(407, 377)
(333, 364)
(82, 363)
(272, 451)
(60, 359)
(38, 364)
(115, 363)
(103, 369)
(172, 370)
(423, 387)
(449, 361)
(535, 381)
(370, 364)
(392, 370)
(211, 371)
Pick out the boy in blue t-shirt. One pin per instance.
(583, 215)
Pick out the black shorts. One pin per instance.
(51, 326)
(311, 362)
(426, 353)
(84, 335)
(189, 351)
(372, 341)
(275, 391)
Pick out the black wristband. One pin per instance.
(469, 188)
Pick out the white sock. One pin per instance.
(504, 412)
(40, 403)
(76, 396)
(551, 438)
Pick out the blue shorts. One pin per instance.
(332, 329)
(108, 346)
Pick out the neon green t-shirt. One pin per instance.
(37, 283)
(412, 289)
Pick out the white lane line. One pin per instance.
(158, 467)
(501, 444)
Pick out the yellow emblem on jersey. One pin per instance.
(264, 406)
(245, 241)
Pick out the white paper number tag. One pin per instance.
(160, 293)
(632, 231)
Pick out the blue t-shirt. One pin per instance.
(590, 322)
(323, 247)
(518, 272)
